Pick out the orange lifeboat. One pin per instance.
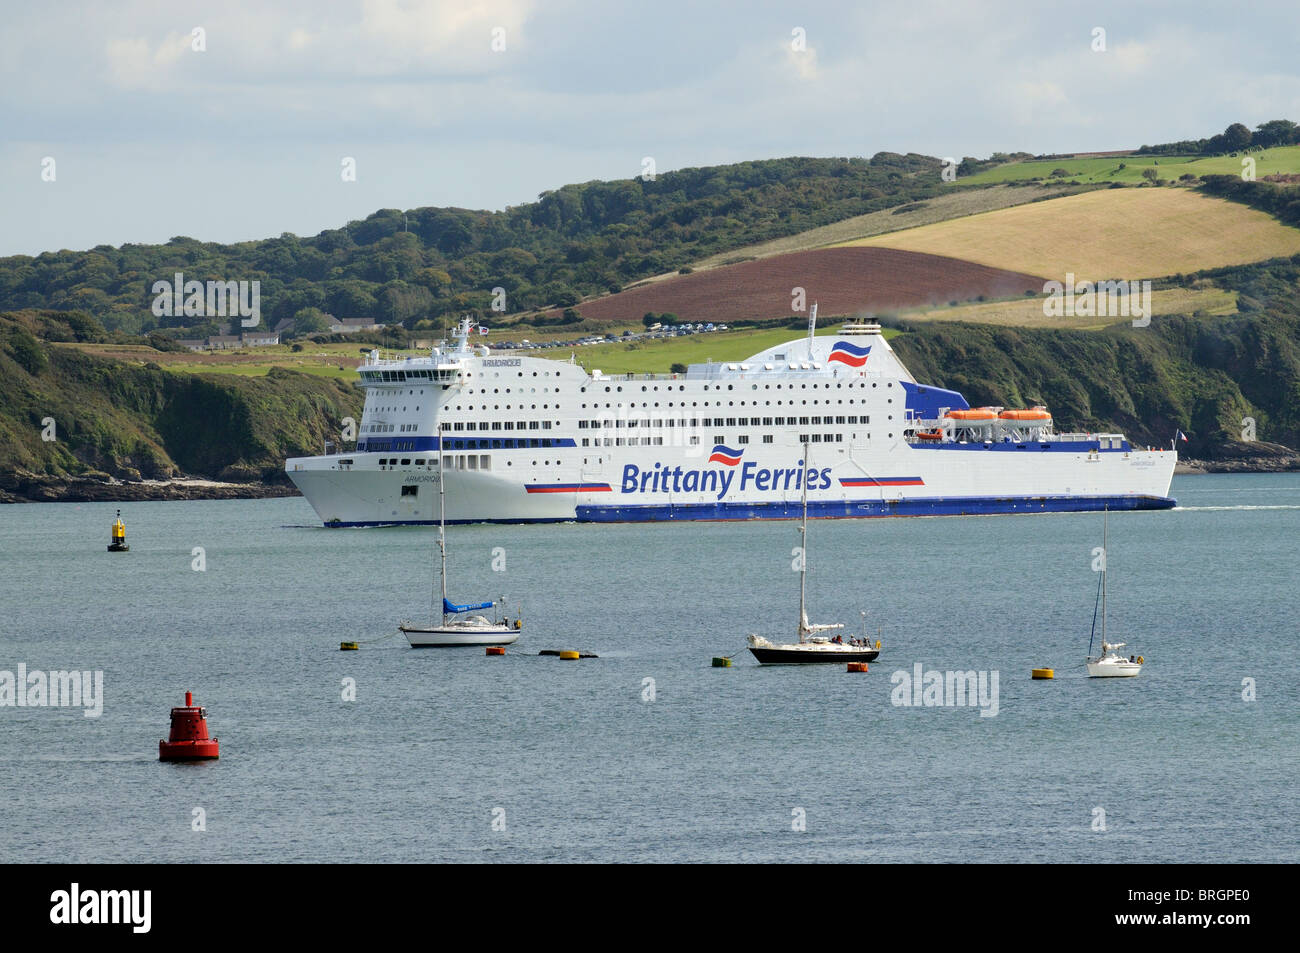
(972, 416)
(929, 435)
(1037, 415)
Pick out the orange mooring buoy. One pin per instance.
(189, 739)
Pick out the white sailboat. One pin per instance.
(457, 628)
(812, 645)
(1109, 664)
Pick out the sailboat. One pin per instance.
(457, 628)
(1109, 664)
(812, 645)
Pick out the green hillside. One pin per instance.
(1130, 168)
(133, 422)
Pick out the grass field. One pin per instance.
(1109, 234)
(955, 204)
(1091, 169)
(1028, 312)
(658, 357)
(323, 360)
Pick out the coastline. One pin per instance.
(28, 488)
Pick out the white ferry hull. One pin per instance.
(913, 482)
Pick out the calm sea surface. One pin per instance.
(588, 761)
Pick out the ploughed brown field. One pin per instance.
(843, 281)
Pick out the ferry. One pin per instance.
(526, 439)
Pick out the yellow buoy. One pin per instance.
(1043, 673)
(568, 655)
(117, 542)
(348, 646)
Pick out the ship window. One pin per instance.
(473, 462)
(816, 438)
(719, 439)
(585, 442)
(419, 463)
(410, 490)
(406, 462)
(383, 461)
(743, 438)
(459, 426)
(483, 463)
(695, 440)
(767, 438)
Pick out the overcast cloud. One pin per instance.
(245, 140)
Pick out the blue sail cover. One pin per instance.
(450, 607)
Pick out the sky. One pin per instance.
(235, 120)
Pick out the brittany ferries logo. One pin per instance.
(851, 354)
(725, 455)
(669, 479)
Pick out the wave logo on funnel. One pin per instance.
(851, 354)
(725, 455)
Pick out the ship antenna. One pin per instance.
(812, 328)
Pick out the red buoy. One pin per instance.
(189, 739)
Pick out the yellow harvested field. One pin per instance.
(1028, 312)
(1120, 234)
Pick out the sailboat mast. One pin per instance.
(442, 520)
(1105, 565)
(803, 544)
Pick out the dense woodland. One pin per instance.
(414, 267)
(1236, 138)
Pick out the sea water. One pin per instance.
(648, 753)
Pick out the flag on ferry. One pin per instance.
(482, 329)
(851, 354)
(725, 455)
(1181, 436)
